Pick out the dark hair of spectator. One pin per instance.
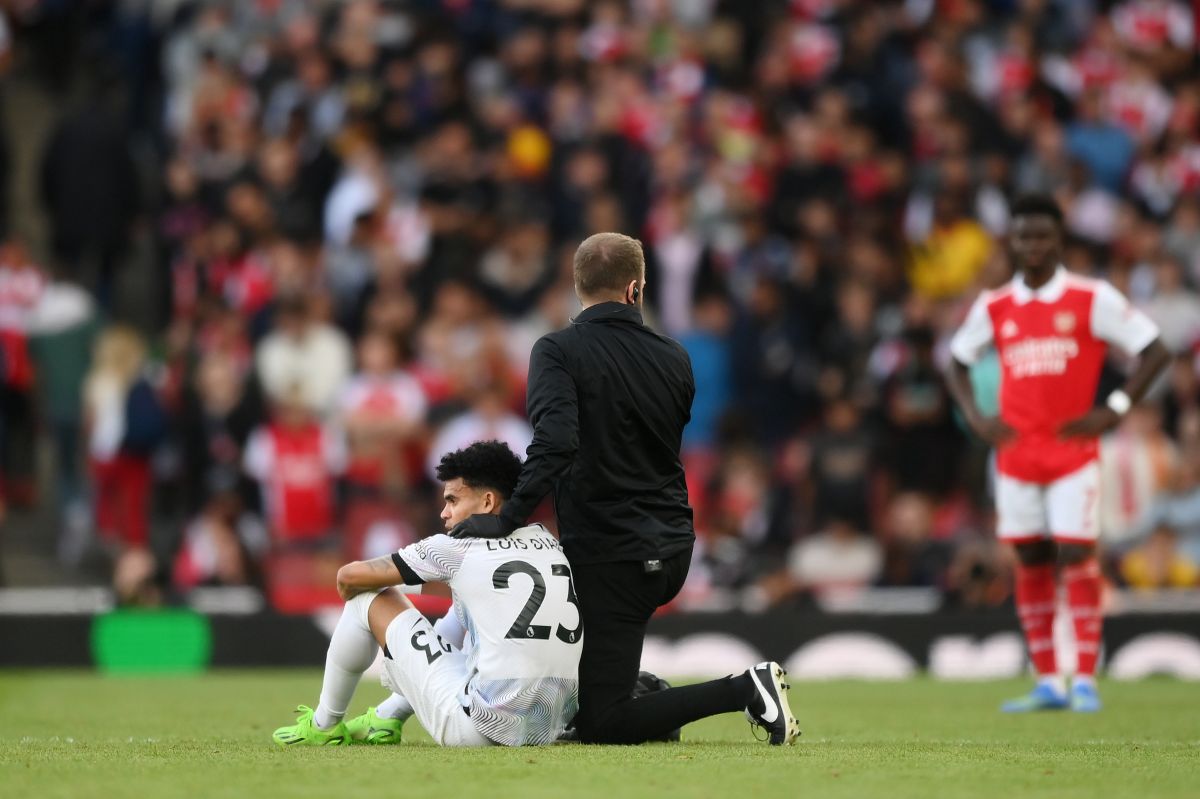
(483, 465)
(606, 263)
(1037, 205)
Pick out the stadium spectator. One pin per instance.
(220, 409)
(980, 575)
(1181, 238)
(125, 422)
(382, 411)
(911, 556)
(62, 332)
(489, 418)
(947, 259)
(774, 366)
(296, 460)
(90, 189)
(1174, 307)
(923, 445)
(22, 285)
(1182, 394)
(707, 346)
(1179, 507)
(1159, 563)
(834, 561)
(1137, 461)
(303, 358)
(842, 453)
(222, 546)
(746, 525)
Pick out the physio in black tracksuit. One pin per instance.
(608, 399)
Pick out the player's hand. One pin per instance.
(1094, 423)
(991, 429)
(482, 525)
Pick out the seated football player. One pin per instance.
(501, 670)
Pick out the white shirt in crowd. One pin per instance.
(317, 364)
(463, 431)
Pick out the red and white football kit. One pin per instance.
(1052, 344)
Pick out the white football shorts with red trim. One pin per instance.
(1066, 509)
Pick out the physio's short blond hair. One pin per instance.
(606, 263)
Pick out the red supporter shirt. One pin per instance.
(1052, 343)
(397, 397)
(296, 468)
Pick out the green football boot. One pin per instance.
(369, 728)
(306, 733)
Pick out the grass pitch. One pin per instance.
(75, 734)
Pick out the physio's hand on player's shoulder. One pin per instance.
(1093, 423)
(482, 525)
(991, 429)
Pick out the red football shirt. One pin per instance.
(397, 397)
(296, 468)
(1052, 343)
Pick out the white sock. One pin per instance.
(352, 650)
(1055, 681)
(1085, 679)
(394, 707)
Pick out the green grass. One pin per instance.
(74, 734)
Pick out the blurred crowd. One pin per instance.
(363, 214)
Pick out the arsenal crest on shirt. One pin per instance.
(1064, 322)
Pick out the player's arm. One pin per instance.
(968, 344)
(1121, 325)
(437, 558)
(1151, 362)
(367, 575)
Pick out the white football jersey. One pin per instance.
(516, 600)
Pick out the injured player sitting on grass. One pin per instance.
(500, 669)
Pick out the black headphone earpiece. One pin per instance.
(637, 292)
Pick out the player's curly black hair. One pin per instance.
(483, 465)
(1037, 205)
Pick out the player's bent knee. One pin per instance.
(359, 607)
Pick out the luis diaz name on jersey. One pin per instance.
(540, 543)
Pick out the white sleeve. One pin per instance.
(1117, 322)
(1181, 28)
(450, 628)
(411, 400)
(334, 449)
(259, 459)
(973, 338)
(438, 557)
(349, 397)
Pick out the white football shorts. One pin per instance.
(432, 675)
(1066, 510)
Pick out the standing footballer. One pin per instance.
(1052, 330)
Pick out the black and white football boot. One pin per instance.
(769, 708)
